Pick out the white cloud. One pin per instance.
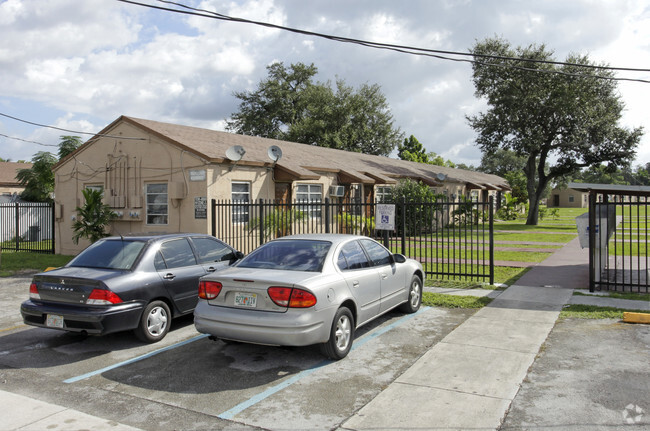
(94, 60)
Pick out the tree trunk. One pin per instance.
(533, 210)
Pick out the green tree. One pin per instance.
(601, 174)
(288, 105)
(641, 175)
(412, 150)
(92, 217)
(509, 165)
(419, 215)
(39, 179)
(561, 122)
(68, 144)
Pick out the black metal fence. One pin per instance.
(27, 226)
(452, 240)
(618, 243)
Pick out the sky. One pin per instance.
(79, 65)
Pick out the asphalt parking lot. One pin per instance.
(588, 374)
(190, 382)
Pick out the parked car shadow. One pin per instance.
(44, 348)
(207, 366)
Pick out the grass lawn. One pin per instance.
(580, 311)
(16, 263)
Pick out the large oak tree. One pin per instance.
(289, 105)
(560, 117)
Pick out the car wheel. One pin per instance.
(415, 296)
(341, 335)
(154, 323)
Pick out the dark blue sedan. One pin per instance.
(126, 283)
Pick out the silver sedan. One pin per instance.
(307, 289)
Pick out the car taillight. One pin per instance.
(33, 291)
(209, 289)
(103, 297)
(290, 297)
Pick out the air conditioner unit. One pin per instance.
(337, 191)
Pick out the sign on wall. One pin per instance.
(200, 207)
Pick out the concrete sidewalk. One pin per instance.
(23, 413)
(470, 378)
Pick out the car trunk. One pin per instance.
(70, 285)
(249, 288)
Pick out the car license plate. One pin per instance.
(246, 300)
(54, 321)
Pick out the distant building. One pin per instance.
(161, 177)
(567, 198)
(10, 187)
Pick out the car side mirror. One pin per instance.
(232, 257)
(399, 258)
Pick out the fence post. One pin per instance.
(214, 217)
(592, 240)
(491, 209)
(53, 227)
(327, 215)
(17, 231)
(261, 222)
(404, 225)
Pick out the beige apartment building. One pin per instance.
(160, 177)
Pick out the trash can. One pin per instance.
(33, 233)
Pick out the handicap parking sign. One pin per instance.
(385, 217)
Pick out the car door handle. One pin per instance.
(169, 276)
(355, 283)
(211, 269)
(384, 276)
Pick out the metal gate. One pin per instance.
(27, 226)
(452, 239)
(618, 242)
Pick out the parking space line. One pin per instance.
(230, 414)
(131, 361)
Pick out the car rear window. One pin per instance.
(110, 254)
(290, 255)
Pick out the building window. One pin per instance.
(157, 208)
(383, 193)
(570, 198)
(312, 193)
(241, 194)
(95, 187)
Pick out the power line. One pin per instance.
(65, 130)
(440, 54)
(28, 141)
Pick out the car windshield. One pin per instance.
(110, 254)
(291, 255)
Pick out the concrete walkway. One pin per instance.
(469, 379)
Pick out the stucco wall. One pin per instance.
(567, 198)
(123, 167)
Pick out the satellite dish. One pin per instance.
(235, 153)
(441, 176)
(275, 153)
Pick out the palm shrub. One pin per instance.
(92, 217)
(278, 222)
